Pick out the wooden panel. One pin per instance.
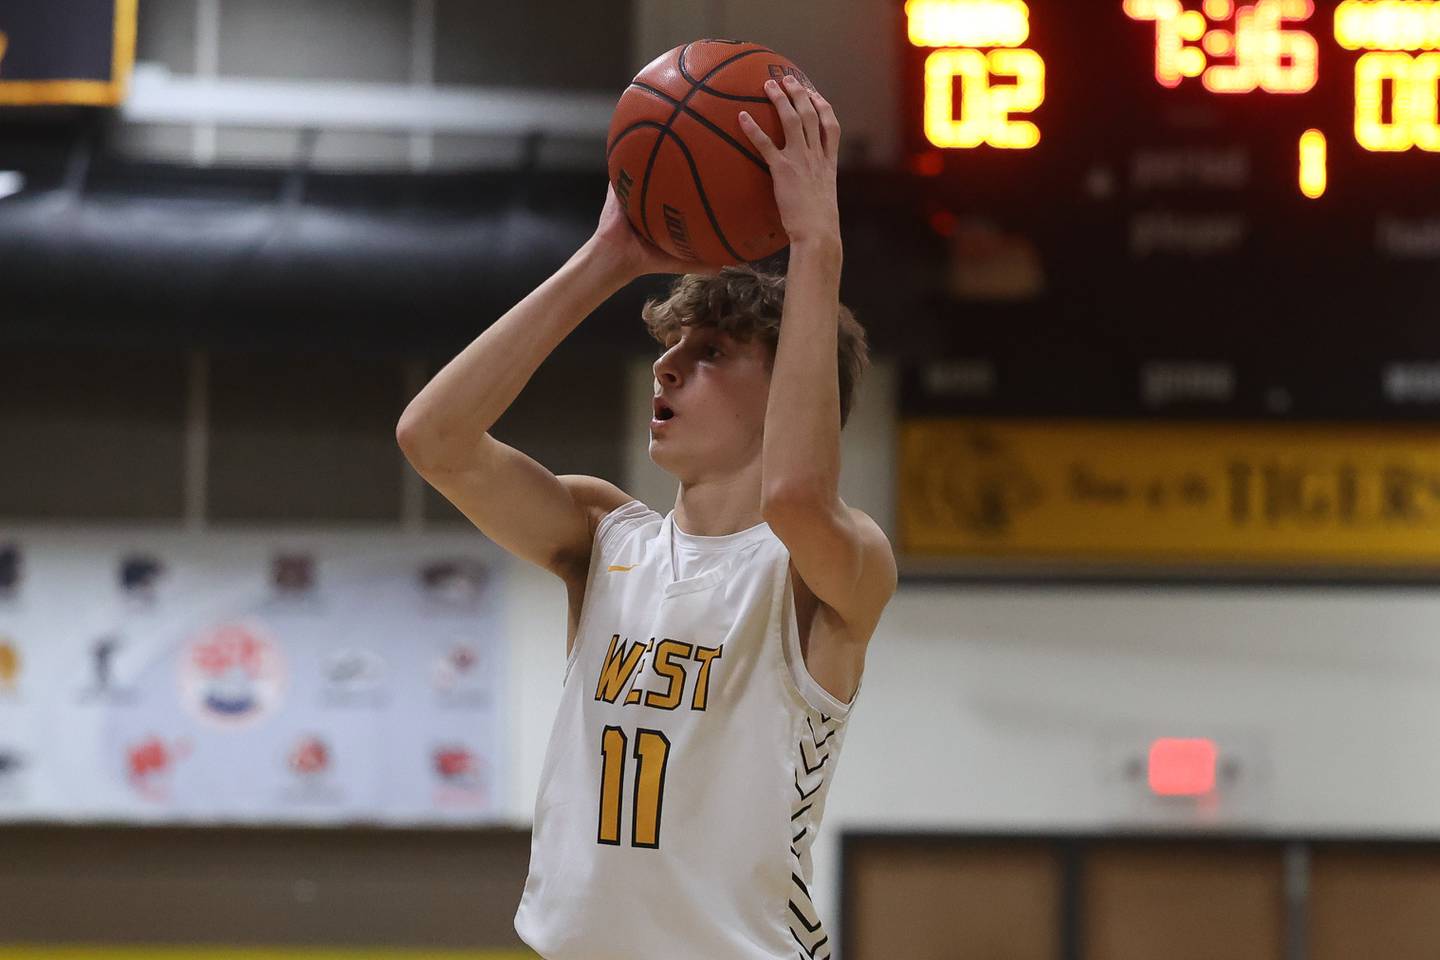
(1374, 903)
(937, 900)
(262, 887)
(1182, 902)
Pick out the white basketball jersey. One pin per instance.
(688, 767)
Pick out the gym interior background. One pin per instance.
(1151, 423)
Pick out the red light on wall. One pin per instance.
(1182, 768)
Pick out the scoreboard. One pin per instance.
(1253, 187)
(1190, 309)
(993, 74)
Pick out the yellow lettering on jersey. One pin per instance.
(620, 663)
(673, 672)
(652, 749)
(612, 784)
(702, 682)
(634, 695)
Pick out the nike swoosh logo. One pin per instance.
(616, 568)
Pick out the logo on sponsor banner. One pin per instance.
(12, 765)
(10, 664)
(103, 685)
(460, 776)
(355, 677)
(139, 577)
(232, 675)
(460, 780)
(310, 757)
(992, 485)
(10, 570)
(292, 574)
(457, 677)
(458, 581)
(456, 764)
(310, 762)
(150, 763)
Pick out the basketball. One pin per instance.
(688, 177)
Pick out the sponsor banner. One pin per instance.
(251, 678)
(1273, 496)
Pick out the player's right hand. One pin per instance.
(633, 255)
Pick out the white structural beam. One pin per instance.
(158, 96)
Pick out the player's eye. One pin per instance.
(712, 352)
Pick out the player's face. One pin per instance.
(717, 387)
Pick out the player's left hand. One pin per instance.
(804, 168)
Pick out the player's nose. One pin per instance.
(666, 371)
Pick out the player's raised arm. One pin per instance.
(444, 431)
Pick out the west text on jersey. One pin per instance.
(625, 664)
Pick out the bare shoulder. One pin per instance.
(596, 497)
(879, 575)
(869, 580)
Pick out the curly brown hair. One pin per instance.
(745, 304)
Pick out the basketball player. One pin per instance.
(714, 652)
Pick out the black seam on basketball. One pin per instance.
(754, 157)
(650, 165)
(704, 200)
(716, 93)
(638, 125)
(725, 63)
(645, 182)
(659, 94)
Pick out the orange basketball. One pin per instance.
(690, 180)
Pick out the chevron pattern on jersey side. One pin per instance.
(812, 758)
(812, 767)
(806, 794)
(808, 933)
(829, 732)
(805, 925)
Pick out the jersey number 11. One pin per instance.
(652, 750)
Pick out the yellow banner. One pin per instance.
(1272, 495)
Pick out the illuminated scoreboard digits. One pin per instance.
(1258, 51)
(999, 85)
(1395, 83)
(1395, 79)
(983, 68)
(1396, 102)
